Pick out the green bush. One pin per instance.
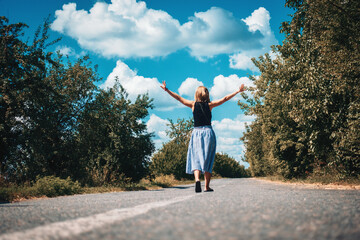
(6, 194)
(11, 192)
(226, 166)
(52, 186)
(171, 158)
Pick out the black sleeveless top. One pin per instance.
(202, 114)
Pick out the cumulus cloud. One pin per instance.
(69, 51)
(189, 86)
(258, 21)
(127, 28)
(158, 126)
(124, 28)
(217, 31)
(228, 126)
(241, 61)
(135, 85)
(65, 50)
(229, 132)
(224, 85)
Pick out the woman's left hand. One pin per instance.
(163, 86)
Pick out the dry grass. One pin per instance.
(316, 182)
(20, 193)
(164, 181)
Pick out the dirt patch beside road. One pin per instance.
(335, 186)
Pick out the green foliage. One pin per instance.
(181, 130)
(347, 144)
(49, 186)
(254, 155)
(171, 158)
(112, 139)
(41, 99)
(7, 194)
(307, 99)
(52, 186)
(55, 121)
(226, 166)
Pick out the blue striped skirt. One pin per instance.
(201, 151)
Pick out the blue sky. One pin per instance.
(187, 43)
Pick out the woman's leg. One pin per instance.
(197, 175)
(207, 180)
(197, 181)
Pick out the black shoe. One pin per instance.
(209, 190)
(198, 186)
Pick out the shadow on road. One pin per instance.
(181, 187)
(11, 206)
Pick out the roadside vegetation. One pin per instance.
(60, 134)
(51, 186)
(307, 98)
(171, 158)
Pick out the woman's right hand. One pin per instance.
(242, 88)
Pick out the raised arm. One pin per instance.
(184, 101)
(216, 103)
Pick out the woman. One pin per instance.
(202, 145)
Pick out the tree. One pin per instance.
(112, 137)
(254, 154)
(226, 166)
(11, 73)
(330, 30)
(171, 158)
(306, 100)
(41, 100)
(55, 120)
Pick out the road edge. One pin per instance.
(312, 185)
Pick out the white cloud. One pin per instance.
(127, 28)
(258, 21)
(224, 85)
(124, 28)
(65, 50)
(227, 127)
(135, 85)
(241, 61)
(217, 31)
(128, 8)
(158, 126)
(69, 51)
(229, 132)
(189, 86)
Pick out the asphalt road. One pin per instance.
(237, 209)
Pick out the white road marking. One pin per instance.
(78, 226)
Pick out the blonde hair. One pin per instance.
(202, 94)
